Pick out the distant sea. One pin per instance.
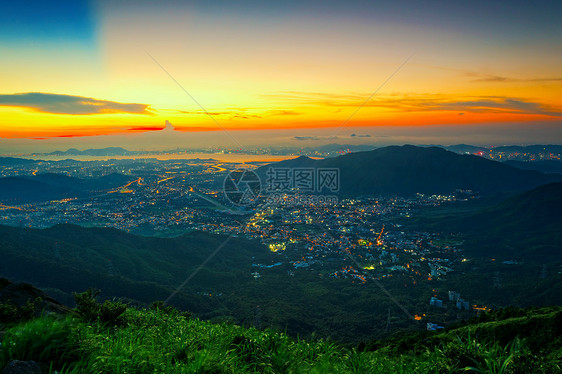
(226, 157)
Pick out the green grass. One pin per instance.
(162, 340)
(156, 342)
(49, 340)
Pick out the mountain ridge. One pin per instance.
(54, 186)
(407, 170)
(108, 151)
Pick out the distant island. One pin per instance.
(109, 151)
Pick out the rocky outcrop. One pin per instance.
(22, 367)
(19, 294)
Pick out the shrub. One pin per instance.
(168, 310)
(110, 312)
(11, 313)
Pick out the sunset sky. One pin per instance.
(112, 73)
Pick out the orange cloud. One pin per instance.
(244, 113)
(423, 103)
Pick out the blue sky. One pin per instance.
(54, 22)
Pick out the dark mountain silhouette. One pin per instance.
(109, 151)
(52, 186)
(13, 161)
(19, 294)
(466, 148)
(537, 148)
(70, 151)
(407, 170)
(544, 166)
(55, 179)
(533, 209)
(526, 226)
(71, 258)
(21, 190)
(107, 181)
(334, 147)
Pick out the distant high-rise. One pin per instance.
(436, 302)
(463, 304)
(454, 296)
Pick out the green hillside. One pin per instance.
(524, 227)
(66, 259)
(70, 258)
(111, 338)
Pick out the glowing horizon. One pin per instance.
(255, 68)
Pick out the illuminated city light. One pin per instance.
(274, 247)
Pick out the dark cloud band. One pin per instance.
(68, 104)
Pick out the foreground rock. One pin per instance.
(19, 294)
(22, 367)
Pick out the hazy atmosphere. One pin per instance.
(394, 72)
(280, 187)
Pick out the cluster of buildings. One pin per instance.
(355, 239)
(456, 299)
